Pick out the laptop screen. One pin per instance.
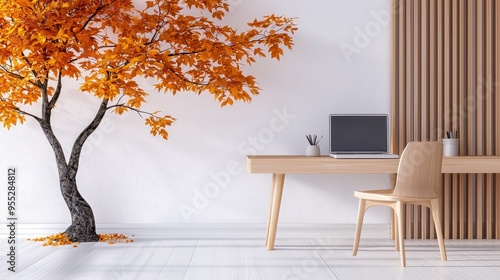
(358, 133)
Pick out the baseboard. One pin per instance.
(211, 231)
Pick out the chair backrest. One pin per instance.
(419, 170)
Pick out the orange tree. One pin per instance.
(106, 45)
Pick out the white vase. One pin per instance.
(312, 151)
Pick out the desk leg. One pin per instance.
(279, 180)
(273, 187)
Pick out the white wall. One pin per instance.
(129, 176)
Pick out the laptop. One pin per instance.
(359, 136)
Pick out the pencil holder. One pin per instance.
(450, 147)
(312, 151)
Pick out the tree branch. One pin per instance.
(187, 53)
(160, 25)
(46, 110)
(27, 114)
(92, 16)
(108, 46)
(57, 92)
(17, 76)
(35, 74)
(56, 146)
(84, 135)
(187, 80)
(139, 112)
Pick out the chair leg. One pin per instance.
(359, 225)
(439, 231)
(396, 231)
(399, 215)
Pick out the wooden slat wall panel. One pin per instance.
(489, 122)
(409, 95)
(496, 101)
(479, 120)
(462, 92)
(471, 49)
(445, 71)
(465, 192)
(433, 103)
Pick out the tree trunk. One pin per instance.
(82, 228)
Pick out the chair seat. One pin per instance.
(386, 195)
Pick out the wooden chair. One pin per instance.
(417, 182)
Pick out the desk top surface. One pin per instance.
(285, 164)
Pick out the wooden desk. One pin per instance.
(281, 165)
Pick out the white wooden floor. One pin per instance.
(221, 259)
